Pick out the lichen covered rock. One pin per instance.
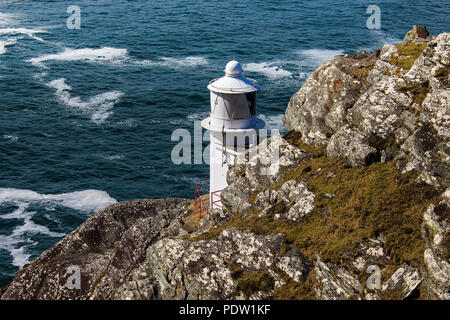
(201, 269)
(106, 249)
(379, 107)
(359, 184)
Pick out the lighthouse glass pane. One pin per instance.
(229, 106)
(251, 100)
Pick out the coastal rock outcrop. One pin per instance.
(352, 203)
(105, 249)
(372, 107)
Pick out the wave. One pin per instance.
(114, 157)
(116, 56)
(86, 201)
(131, 123)
(16, 247)
(270, 70)
(316, 57)
(11, 138)
(23, 31)
(19, 243)
(105, 54)
(6, 43)
(7, 19)
(182, 178)
(382, 38)
(97, 107)
(186, 62)
(273, 122)
(174, 63)
(199, 116)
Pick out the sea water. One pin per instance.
(86, 115)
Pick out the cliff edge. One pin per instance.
(358, 207)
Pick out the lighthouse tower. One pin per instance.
(232, 124)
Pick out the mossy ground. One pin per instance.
(442, 75)
(251, 282)
(407, 54)
(366, 203)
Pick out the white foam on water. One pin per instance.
(20, 257)
(10, 138)
(186, 62)
(175, 63)
(102, 55)
(273, 121)
(97, 107)
(191, 180)
(130, 123)
(8, 19)
(23, 31)
(199, 116)
(270, 70)
(6, 43)
(86, 201)
(316, 57)
(19, 243)
(16, 246)
(114, 157)
(116, 56)
(40, 76)
(382, 38)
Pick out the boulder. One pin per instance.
(335, 283)
(417, 32)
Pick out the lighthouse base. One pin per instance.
(225, 146)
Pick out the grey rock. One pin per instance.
(387, 51)
(266, 165)
(321, 104)
(407, 277)
(335, 283)
(350, 143)
(377, 111)
(292, 194)
(376, 115)
(435, 229)
(418, 32)
(295, 265)
(106, 248)
(198, 270)
(371, 253)
(437, 280)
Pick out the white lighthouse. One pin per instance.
(232, 124)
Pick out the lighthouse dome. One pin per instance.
(233, 82)
(233, 68)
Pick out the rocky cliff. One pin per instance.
(358, 207)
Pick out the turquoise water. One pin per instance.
(86, 115)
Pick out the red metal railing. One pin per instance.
(204, 208)
(216, 202)
(199, 186)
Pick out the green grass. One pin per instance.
(418, 93)
(367, 202)
(407, 54)
(250, 282)
(442, 74)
